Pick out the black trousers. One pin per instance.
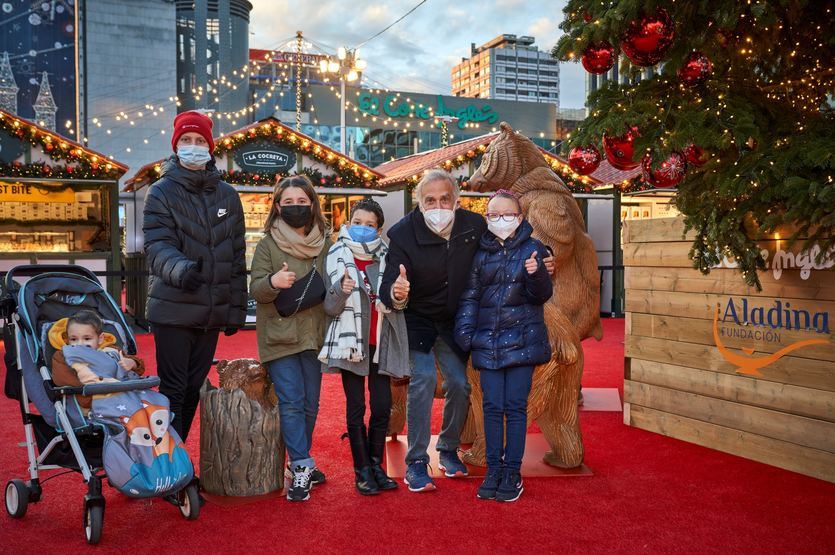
(184, 357)
(379, 393)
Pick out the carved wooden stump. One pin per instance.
(241, 448)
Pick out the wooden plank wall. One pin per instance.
(678, 382)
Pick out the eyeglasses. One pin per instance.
(505, 217)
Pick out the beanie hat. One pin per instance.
(193, 122)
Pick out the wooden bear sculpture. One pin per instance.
(513, 162)
(250, 376)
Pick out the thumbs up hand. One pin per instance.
(348, 284)
(531, 264)
(283, 279)
(400, 289)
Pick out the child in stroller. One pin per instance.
(137, 420)
(86, 328)
(123, 435)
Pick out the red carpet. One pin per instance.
(649, 493)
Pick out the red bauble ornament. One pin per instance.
(620, 151)
(695, 70)
(668, 174)
(338, 179)
(695, 155)
(70, 169)
(586, 16)
(646, 41)
(584, 159)
(256, 177)
(49, 147)
(599, 57)
(322, 181)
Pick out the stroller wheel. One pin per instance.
(17, 498)
(190, 506)
(93, 522)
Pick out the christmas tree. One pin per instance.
(737, 113)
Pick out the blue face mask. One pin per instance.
(362, 233)
(194, 155)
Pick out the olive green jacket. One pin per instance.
(279, 336)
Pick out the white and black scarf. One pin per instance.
(343, 339)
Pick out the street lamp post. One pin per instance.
(347, 66)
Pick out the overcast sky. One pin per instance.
(417, 53)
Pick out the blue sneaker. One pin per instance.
(487, 489)
(452, 466)
(417, 477)
(510, 488)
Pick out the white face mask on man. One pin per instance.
(194, 155)
(438, 218)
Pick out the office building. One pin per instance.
(508, 68)
(212, 56)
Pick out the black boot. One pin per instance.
(365, 482)
(376, 447)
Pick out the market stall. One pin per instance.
(58, 201)
(252, 158)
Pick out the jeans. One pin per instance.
(297, 380)
(379, 397)
(184, 358)
(422, 393)
(506, 395)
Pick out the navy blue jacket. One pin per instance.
(500, 317)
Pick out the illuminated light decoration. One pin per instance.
(347, 172)
(81, 163)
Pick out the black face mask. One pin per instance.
(297, 215)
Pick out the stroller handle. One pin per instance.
(119, 387)
(32, 270)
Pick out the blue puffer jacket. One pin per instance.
(500, 316)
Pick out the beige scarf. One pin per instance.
(298, 246)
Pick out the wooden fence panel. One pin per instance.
(713, 361)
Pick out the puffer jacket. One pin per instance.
(193, 220)
(500, 317)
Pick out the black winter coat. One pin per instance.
(192, 216)
(437, 272)
(500, 318)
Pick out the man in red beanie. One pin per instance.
(193, 122)
(194, 242)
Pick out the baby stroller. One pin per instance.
(58, 434)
